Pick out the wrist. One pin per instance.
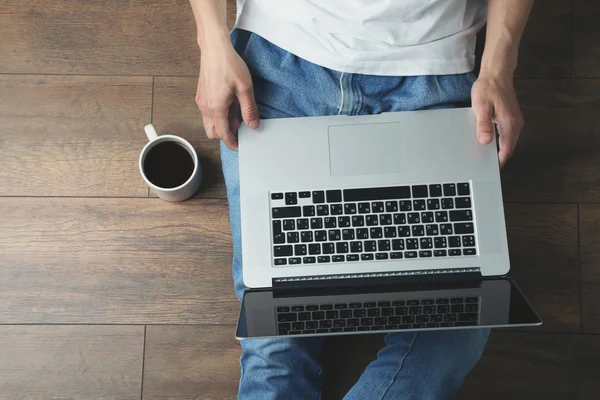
(212, 36)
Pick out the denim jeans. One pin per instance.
(425, 365)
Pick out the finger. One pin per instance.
(506, 145)
(248, 107)
(222, 128)
(484, 111)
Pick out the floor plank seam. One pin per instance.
(143, 365)
(579, 270)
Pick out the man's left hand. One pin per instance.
(494, 101)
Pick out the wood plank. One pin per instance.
(556, 158)
(191, 362)
(586, 48)
(175, 112)
(132, 261)
(589, 218)
(71, 362)
(545, 49)
(536, 366)
(72, 135)
(111, 37)
(544, 261)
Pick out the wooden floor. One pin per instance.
(107, 292)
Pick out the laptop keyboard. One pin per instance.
(373, 224)
(377, 316)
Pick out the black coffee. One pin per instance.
(168, 165)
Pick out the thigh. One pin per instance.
(424, 365)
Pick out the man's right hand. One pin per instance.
(225, 93)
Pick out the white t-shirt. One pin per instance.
(377, 37)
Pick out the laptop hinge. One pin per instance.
(409, 278)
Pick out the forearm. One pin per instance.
(211, 22)
(505, 26)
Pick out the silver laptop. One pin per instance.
(378, 223)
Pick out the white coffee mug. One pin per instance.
(183, 191)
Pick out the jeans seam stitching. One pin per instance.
(399, 367)
(341, 94)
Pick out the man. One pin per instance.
(307, 57)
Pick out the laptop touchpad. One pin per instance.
(366, 149)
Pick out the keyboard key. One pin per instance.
(454, 241)
(364, 328)
(284, 328)
(391, 206)
(419, 191)
(372, 220)
(358, 220)
(472, 300)
(399, 219)
(418, 230)
(454, 252)
(377, 207)
(283, 251)
(366, 257)
(457, 300)
(359, 313)
(348, 234)
(396, 255)
(426, 243)
(373, 312)
(340, 306)
(450, 318)
(391, 327)
(318, 315)
(300, 250)
(323, 259)
(334, 235)
(364, 208)
(461, 215)
(352, 257)
(332, 314)
(376, 233)
(447, 203)
(362, 233)
(463, 189)
(383, 304)
(304, 316)
(410, 254)
(439, 253)
(350, 329)
(380, 321)
(422, 318)
(292, 237)
(439, 242)
(427, 302)
(441, 216)
(298, 326)
(415, 310)
(276, 227)
(457, 308)
(320, 236)
(442, 301)
(279, 238)
(289, 225)
(312, 308)
(449, 189)
(306, 236)
(341, 247)
(283, 309)
(334, 196)
(468, 241)
(308, 211)
(445, 229)
(318, 196)
(405, 205)
(436, 318)
(322, 210)
(408, 319)
(412, 244)
(471, 308)
(370, 246)
(328, 248)
(337, 258)
(356, 247)
(442, 309)
(418, 205)
(387, 311)
(339, 323)
(425, 253)
(330, 222)
(380, 193)
(343, 222)
(389, 232)
(350, 208)
(304, 195)
(381, 256)
(426, 217)
(291, 199)
(429, 309)
(433, 204)
(280, 261)
(435, 190)
(366, 321)
(314, 249)
(404, 231)
(316, 223)
(413, 302)
(398, 303)
(463, 202)
(276, 196)
(385, 219)
(463, 227)
(295, 260)
(301, 224)
(287, 317)
(414, 218)
(432, 230)
(336, 209)
(468, 317)
(469, 252)
(398, 244)
(433, 325)
(355, 305)
(286, 212)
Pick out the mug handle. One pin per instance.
(150, 132)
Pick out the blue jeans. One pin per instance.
(426, 365)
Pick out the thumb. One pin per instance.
(248, 107)
(485, 127)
